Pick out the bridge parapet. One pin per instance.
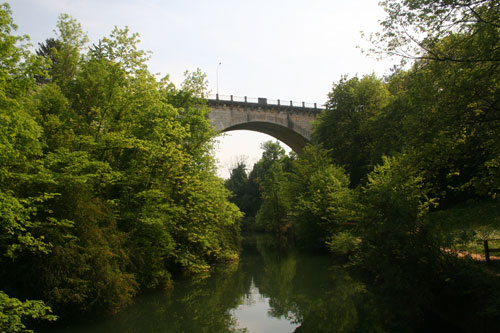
(265, 102)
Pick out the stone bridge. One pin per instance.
(287, 121)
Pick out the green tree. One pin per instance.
(13, 312)
(47, 51)
(323, 203)
(350, 124)
(448, 99)
(273, 212)
(413, 29)
(447, 117)
(398, 248)
(20, 148)
(20, 151)
(66, 56)
(270, 175)
(237, 183)
(195, 84)
(244, 195)
(106, 186)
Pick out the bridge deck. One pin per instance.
(264, 103)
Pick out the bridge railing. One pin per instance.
(265, 101)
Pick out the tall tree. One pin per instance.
(450, 98)
(269, 174)
(106, 186)
(323, 203)
(350, 124)
(238, 183)
(66, 57)
(413, 29)
(20, 151)
(48, 50)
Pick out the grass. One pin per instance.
(463, 228)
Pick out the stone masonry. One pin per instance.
(289, 124)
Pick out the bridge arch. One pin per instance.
(288, 123)
(286, 135)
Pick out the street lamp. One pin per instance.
(217, 75)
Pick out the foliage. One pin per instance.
(13, 311)
(245, 195)
(324, 204)
(444, 106)
(270, 175)
(66, 53)
(395, 201)
(463, 228)
(107, 182)
(451, 125)
(306, 194)
(397, 250)
(196, 84)
(350, 125)
(442, 113)
(343, 243)
(413, 28)
(423, 136)
(19, 145)
(273, 212)
(108, 185)
(236, 183)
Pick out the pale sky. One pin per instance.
(291, 50)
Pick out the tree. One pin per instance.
(413, 29)
(195, 84)
(48, 52)
(20, 148)
(273, 212)
(350, 124)
(20, 151)
(446, 103)
(272, 152)
(238, 185)
(13, 312)
(397, 247)
(106, 187)
(447, 116)
(66, 54)
(323, 203)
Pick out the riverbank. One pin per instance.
(273, 288)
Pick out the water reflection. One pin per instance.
(270, 290)
(311, 291)
(254, 314)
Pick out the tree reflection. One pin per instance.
(307, 290)
(196, 304)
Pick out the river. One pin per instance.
(271, 289)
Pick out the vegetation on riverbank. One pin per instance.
(405, 169)
(108, 185)
(107, 182)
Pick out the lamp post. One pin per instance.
(217, 76)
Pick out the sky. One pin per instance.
(288, 50)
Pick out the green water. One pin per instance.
(269, 290)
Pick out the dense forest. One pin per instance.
(108, 185)
(107, 181)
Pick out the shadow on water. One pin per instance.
(271, 289)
